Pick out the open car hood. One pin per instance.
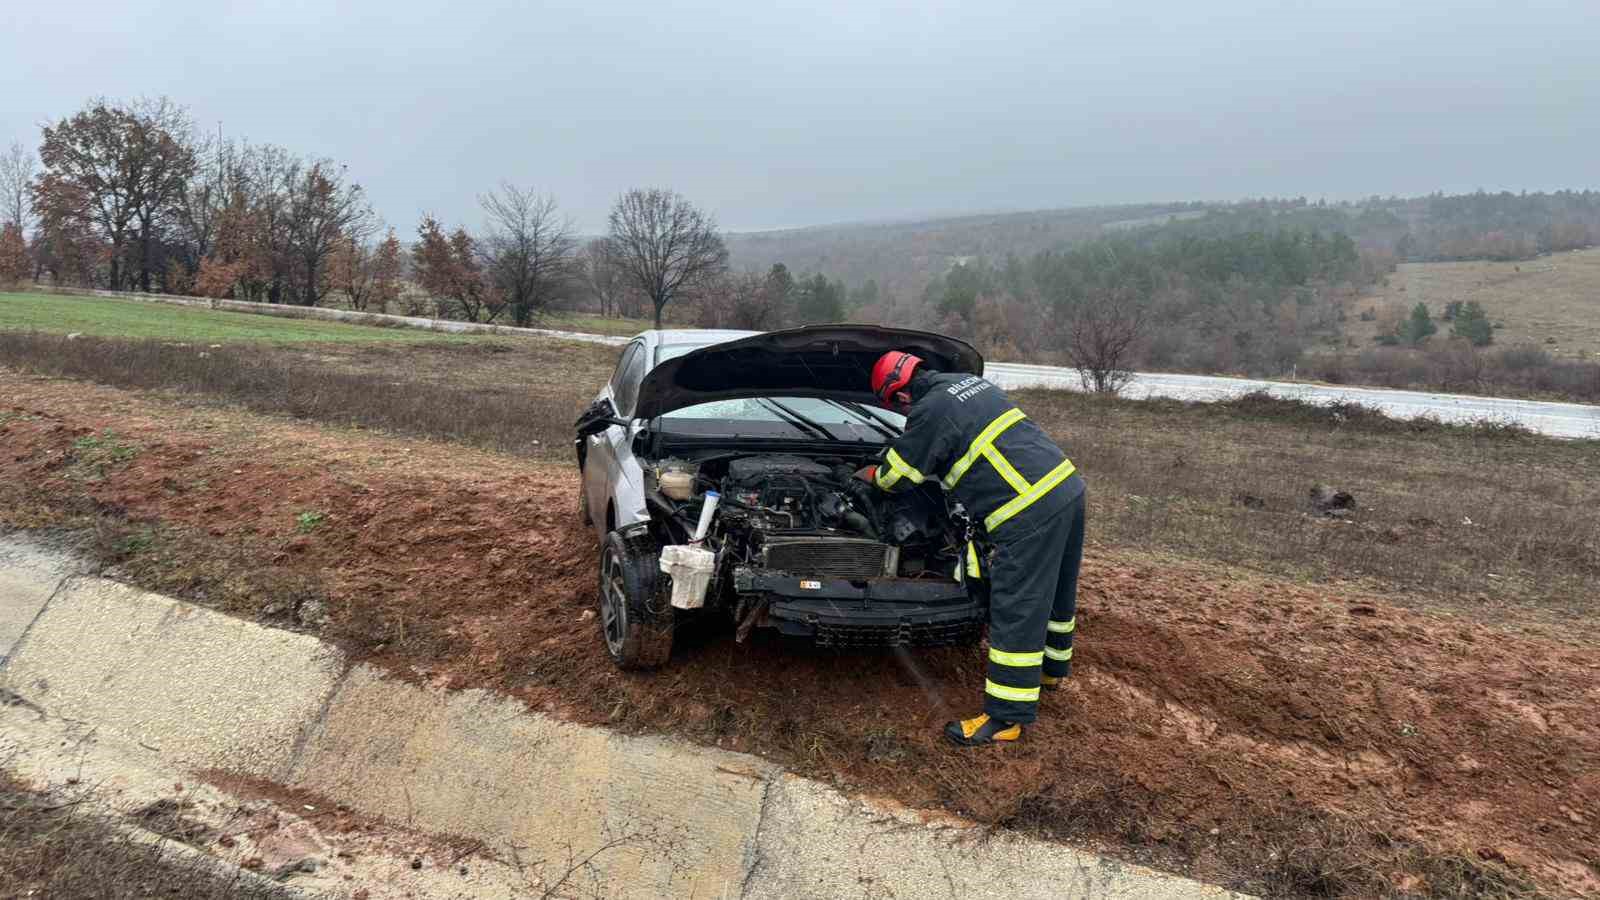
(833, 361)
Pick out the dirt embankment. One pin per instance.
(1288, 738)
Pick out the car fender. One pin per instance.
(627, 490)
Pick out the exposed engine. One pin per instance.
(810, 517)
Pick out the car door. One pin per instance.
(609, 471)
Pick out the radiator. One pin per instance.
(829, 557)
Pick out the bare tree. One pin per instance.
(114, 167)
(387, 269)
(262, 218)
(16, 186)
(448, 266)
(322, 210)
(67, 249)
(205, 203)
(352, 269)
(600, 277)
(664, 245)
(527, 249)
(1101, 341)
(15, 263)
(749, 300)
(87, 178)
(162, 148)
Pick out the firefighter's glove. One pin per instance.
(869, 474)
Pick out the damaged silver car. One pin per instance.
(716, 468)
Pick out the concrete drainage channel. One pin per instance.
(466, 793)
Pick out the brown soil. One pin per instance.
(1289, 738)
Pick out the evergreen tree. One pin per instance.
(962, 285)
(1472, 323)
(1416, 329)
(818, 300)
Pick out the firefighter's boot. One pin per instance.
(982, 730)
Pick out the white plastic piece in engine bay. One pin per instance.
(676, 479)
(708, 508)
(691, 569)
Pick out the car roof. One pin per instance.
(696, 336)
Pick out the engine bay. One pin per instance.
(808, 515)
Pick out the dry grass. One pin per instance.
(1453, 366)
(388, 527)
(49, 849)
(1285, 852)
(1556, 296)
(1480, 516)
(519, 397)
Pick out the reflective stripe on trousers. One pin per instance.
(1033, 580)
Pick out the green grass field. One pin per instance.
(593, 324)
(102, 317)
(106, 317)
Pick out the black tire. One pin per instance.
(636, 615)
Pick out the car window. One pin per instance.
(625, 383)
(760, 410)
(628, 353)
(673, 351)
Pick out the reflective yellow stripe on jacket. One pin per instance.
(984, 441)
(1031, 495)
(898, 469)
(983, 447)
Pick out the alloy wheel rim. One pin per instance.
(612, 604)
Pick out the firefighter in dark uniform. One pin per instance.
(1025, 494)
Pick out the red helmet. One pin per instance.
(891, 373)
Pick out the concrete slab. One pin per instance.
(155, 689)
(96, 772)
(197, 687)
(30, 571)
(816, 842)
(652, 817)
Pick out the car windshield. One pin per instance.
(839, 419)
(805, 410)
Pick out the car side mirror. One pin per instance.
(597, 418)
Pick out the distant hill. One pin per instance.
(904, 257)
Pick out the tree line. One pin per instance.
(129, 195)
(1162, 298)
(1501, 226)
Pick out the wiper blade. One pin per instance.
(796, 418)
(860, 412)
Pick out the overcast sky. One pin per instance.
(784, 113)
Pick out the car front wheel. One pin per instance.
(636, 618)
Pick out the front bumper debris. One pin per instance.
(878, 612)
